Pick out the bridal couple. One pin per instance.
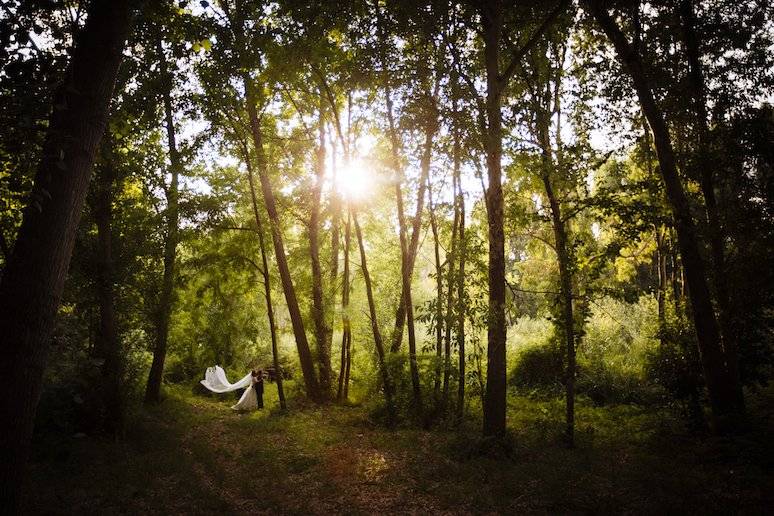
(252, 399)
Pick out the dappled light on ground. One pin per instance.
(194, 454)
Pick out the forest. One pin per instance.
(486, 256)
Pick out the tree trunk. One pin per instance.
(565, 283)
(319, 316)
(720, 384)
(166, 299)
(460, 201)
(450, 288)
(297, 321)
(346, 337)
(237, 22)
(378, 342)
(495, 398)
(335, 206)
(266, 281)
(707, 182)
(439, 320)
(406, 262)
(662, 284)
(108, 344)
(560, 230)
(34, 276)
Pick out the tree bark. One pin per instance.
(565, 285)
(166, 298)
(237, 22)
(34, 276)
(495, 398)
(459, 209)
(720, 385)
(551, 170)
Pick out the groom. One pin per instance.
(257, 381)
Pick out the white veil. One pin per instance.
(216, 381)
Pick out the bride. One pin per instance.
(251, 400)
(216, 381)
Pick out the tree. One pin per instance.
(34, 276)
(389, 390)
(496, 83)
(236, 19)
(171, 217)
(721, 387)
(109, 345)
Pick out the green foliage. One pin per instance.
(539, 368)
(613, 355)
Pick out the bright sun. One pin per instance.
(354, 180)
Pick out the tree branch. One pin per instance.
(519, 54)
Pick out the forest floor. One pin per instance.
(193, 455)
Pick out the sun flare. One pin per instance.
(355, 180)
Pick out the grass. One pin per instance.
(192, 454)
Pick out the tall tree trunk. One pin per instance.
(166, 297)
(237, 22)
(408, 250)
(720, 384)
(346, 336)
(389, 391)
(495, 398)
(34, 276)
(266, 280)
(707, 182)
(319, 316)
(460, 201)
(406, 262)
(335, 207)
(108, 344)
(450, 288)
(661, 263)
(565, 285)
(297, 321)
(560, 228)
(439, 320)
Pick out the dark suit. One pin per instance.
(258, 386)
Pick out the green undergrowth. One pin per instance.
(192, 454)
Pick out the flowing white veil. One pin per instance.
(216, 381)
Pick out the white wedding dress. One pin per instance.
(216, 381)
(248, 401)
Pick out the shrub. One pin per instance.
(539, 368)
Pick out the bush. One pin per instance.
(606, 385)
(674, 364)
(539, 368)
(611, 355)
